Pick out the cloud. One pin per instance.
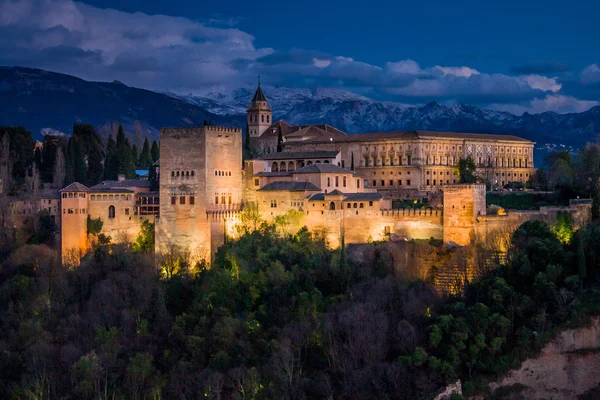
(178, 54)
(552, 102)
(152, 51)
(541, 68)
(590, 74)
(543, 83)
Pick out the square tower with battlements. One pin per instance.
(200, 174)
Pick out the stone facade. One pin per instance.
(339, 185)
(406, 164)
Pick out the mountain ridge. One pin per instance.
(45, 101)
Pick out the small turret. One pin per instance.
(259, 113)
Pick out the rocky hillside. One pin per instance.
(567, 367)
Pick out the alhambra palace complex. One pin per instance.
(338, 184)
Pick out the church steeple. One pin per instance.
(259, 113)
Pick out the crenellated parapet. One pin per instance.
(412, 212)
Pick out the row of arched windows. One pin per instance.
(222, 173)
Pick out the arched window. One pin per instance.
(282, 167)
(354, 205)
(309, 163)
(172, 173)
(111, 212)
(291, 166)
(192, 173)
(177, 173)
(267, 118)
(262, 118)
(348, 205)
(229, 173)
(361, 205)
(187, 173)
(332, 206)
(275, 167)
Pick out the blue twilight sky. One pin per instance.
(516, 56)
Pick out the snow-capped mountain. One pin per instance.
(353, 113)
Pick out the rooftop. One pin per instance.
(365, 196)
(125, 183)
(75, 187)
(259, 95)
(363, 137)
(322, 168)
(293, 155)
(109, 190)
(268, 173)
(290, 186)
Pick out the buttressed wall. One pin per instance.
(201, 172)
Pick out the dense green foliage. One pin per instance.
(278, 316)
(573, 174)
(21, 147)
(525, 200)
(465, 170)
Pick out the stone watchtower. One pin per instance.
(74, 204)
(200, 174)
(462, 205)
(259, 113)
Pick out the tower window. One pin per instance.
(111, 212)
(262, 118)
(181, 199)
(173, 200)
(192, 200)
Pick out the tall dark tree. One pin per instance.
(38, 157)
(79, 164)
(111, 166)
(145, 160)
(247, 142)
(91, 143)
(135, 155)
(465, 170)
(155, 151)
(21, 150)
(125, 165)
(69, 164)
(279, 140)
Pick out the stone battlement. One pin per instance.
(402, 212)
(463, 186)
(190, 131)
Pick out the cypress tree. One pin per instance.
(69, 168)
(145, 160)
(110, 162)
(247, 144)
(279, 140)
(79, 165)
(134, 155)
(155, 151)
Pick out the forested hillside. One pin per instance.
(279, 316)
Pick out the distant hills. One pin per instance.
(44, 101)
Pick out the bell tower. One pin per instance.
(259, 113)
